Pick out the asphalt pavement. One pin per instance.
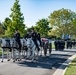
(43, 66)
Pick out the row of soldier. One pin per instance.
(70, 43)
(59, 44)
(62, 44)
(29, 34)
(35, 36)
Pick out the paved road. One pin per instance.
(44, 65)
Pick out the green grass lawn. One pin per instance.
(53, 46)
(71, 69)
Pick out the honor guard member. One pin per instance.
(34, 38)
(28, 35)
(17, 38)
(39, 38)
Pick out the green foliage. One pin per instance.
(1, 29)
(73, 28)
(62, 21)
(7, 22)
(16, 21)
(42, 26)
(8, 27)
(5, 36)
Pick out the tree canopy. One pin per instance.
(42, 26)
(16, 20)
(62, 21)
(1, 29)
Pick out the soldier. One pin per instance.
(28, 35)
(17, 38)
(56, 44)
(34, 38)
(39, 38)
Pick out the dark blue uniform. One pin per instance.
(34, 38)
(39, 38)
(27, 36)
(17, 39)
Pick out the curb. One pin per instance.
(61, 70)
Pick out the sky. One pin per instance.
(34, 10)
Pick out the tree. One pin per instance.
(2, 31)
(7, 23)
(8, 27)
(62, 19)
(73, 27)
(42, 26)
(17, 19)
